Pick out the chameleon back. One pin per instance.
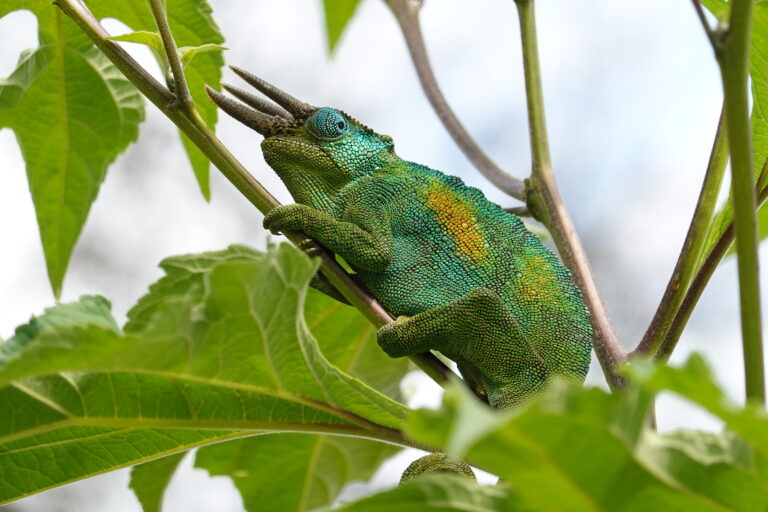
(448, 239)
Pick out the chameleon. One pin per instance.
(461, 275)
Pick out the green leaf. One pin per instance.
(145, 37)
(216, 350)
(758, 70)
(338, 13)
(149, 481)
(192, 25)
(155, 42)
(585, 449)
(439, 493)
(293, 471)
(72, 113)
(298, 472)
(694, 382)
(187, 53)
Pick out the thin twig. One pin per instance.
(547, 206)
(703, 275)
(181, 90)
(734, 68)
(407, 15)
(711, 33)
(693, 245)
(194, 127)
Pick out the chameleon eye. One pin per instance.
(328, 124)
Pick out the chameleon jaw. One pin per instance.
(268, 119)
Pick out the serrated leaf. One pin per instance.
(338, 13)
(192, 25)
(149, 480)
(298, 471)
(585, 449)
(72, 113)
(216, 350)
(440, 493)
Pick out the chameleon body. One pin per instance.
(463, 276)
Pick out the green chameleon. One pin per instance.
(463, 276)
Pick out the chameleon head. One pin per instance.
(315, 151)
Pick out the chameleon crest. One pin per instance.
(463, 276)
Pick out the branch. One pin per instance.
(183, 97)
(407, 14)
(701, 280)
(734, 67)
(690, 255)
(712, 35)
(547, 206)
(189, 122)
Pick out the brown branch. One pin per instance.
(190, 123)
(407, 14)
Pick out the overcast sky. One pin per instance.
(632, 96)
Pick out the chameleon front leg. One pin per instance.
(481, 335)
(364, 243)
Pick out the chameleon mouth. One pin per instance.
(269, 119)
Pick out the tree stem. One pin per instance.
(407, 15)
(690, 255)
(181, 89)
(545, 203)
(192, 125)
(734, 66)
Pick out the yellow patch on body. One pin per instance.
(456, 216)
(537, 282)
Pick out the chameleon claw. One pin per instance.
(310, 247)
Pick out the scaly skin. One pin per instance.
(463, 276)
(467, 277)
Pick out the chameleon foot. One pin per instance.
(310, 247)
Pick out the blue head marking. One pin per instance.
(328, 124)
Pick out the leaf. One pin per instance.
(192, 25)
(155, 42)
(149, 481)
(439, 493)
(758, 71)
(216, 350)
(299, 471)
(338, 13)
(145, 37)
(72, 113)
(585, 449)
(187, 53)
(293, 472)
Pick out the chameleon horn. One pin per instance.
(259, 121)
(299, 109)
(258, 103)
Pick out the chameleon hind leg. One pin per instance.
(481, 335)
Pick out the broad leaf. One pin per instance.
(302, 471)
(72, 113)
(217, 349)
(440, 493)
(338, 13)
(149, 480)
(585, 449)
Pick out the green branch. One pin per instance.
(733, 57)
(690, 255)
(190, 122)
(545, 203)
